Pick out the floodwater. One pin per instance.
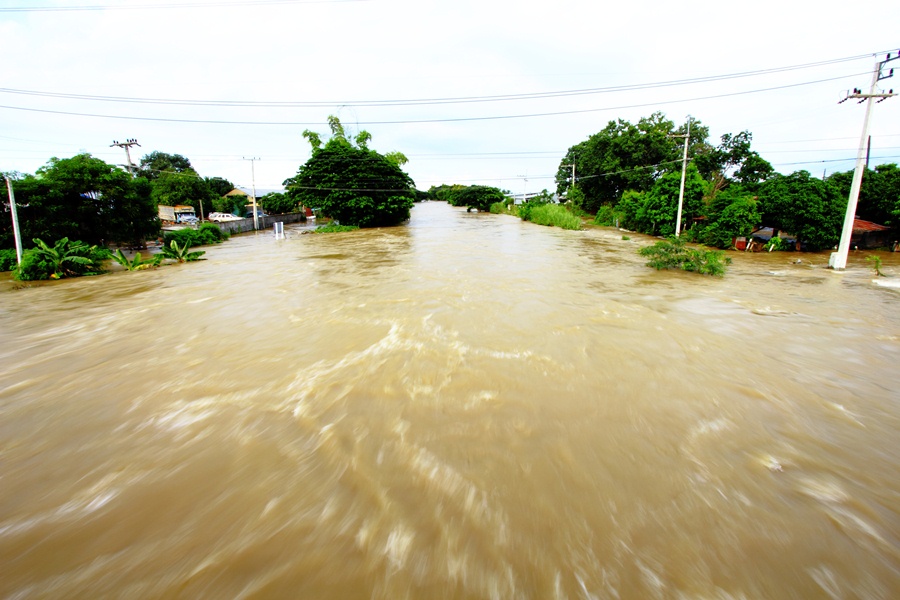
(466, 406)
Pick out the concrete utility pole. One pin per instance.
(15, 220)
(253, 179)
(127, 144)
(687, 141)
(838, 260)
(524, 187)
(573, 172)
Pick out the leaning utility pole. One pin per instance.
(687, 140)
(15, 220)
(253, 176)
(127, 144)
(838, 260)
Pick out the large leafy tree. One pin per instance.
(276, 203)
(731, 213)
(879, 196)
(733, 159)
(809, 208)
(655, 211)
(154, 164)
(186, 188)
(82, 198)
(625, 156)
(478, 197)
(219, 185)
(351, 183)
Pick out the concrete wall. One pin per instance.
(264, 222)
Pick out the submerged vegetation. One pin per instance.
(180, 253)
(137, 263)
(205, 235)
(334, 227)
(62, 259)
(673, 253)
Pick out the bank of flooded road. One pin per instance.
(467, 406)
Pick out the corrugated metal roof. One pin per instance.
(860, 226)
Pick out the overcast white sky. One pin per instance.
(340, 54)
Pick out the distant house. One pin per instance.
(248, 193)
(867, 234)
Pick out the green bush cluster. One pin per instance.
(333, 227)
(674, 254)
(7, 259)
(608, 216)
(62, 259)
(499, 208)
(205, 235)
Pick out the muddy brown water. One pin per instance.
(466, 406)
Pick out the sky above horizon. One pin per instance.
(486, 92)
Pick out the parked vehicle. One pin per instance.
(259, 213)
(222, 217)
(187, 219)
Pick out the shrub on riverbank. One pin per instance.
(608, 216)
(7, 259)
(179, 253)
(674, 254)
(62, 259)
(205, 235)
(334, 228)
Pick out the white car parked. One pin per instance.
(220, 217)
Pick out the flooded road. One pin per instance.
(467, 406)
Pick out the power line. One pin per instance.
(429, 101)
(422, 121)
(237, 3)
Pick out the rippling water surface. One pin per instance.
(467, 406)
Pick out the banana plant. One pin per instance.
(180, 253)
(63, 256)
(137, 263)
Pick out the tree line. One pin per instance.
(629, 174)
(86, 199)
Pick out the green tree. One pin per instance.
(352, 184)
(879, 195)
(276, 203)
(733, 159)
(625, 156)
(733, 213)
(479, 197)
(154, 164)
(219, 185)
(185, 187)
(82, 198)
(655, 212)
(805, 206)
